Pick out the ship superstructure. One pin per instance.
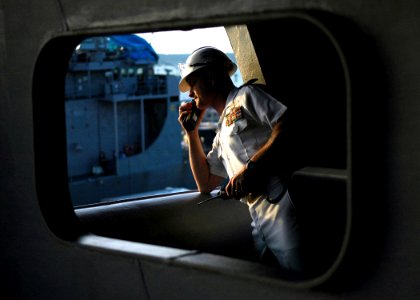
(121, 119)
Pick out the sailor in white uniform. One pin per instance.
(248, 129)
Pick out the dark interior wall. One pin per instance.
(38, 265)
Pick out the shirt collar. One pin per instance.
(231, 96)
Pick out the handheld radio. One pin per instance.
(190, 121)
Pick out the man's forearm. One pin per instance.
(265, 153)
(198, 162)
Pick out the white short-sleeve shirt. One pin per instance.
(244, 127)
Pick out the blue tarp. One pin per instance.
(137, 48)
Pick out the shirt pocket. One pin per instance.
(239, 139)
(239, 126)
(252, 137)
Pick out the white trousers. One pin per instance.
(275, 226)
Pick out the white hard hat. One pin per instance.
(204, 57)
